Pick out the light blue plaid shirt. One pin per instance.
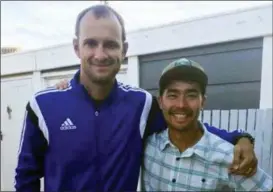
(201, 167)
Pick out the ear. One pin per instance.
(204, 99)
(125, 49)
(76, 46)
(159, 100)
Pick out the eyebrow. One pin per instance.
(192, 91)
(172, 91)
(187, 91)
(89, 40)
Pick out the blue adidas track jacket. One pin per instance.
(78, 147)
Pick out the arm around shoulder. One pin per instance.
(231, 136)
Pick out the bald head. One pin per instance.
(100, 11)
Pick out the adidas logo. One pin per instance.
(67, 125)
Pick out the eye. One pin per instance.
(192, 95)
(91, 43)
(171, 96)
(111, 45)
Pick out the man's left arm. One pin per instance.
(232, 137)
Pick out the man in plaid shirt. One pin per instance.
(186, 157)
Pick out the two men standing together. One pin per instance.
(104, 150)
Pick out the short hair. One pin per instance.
(100, 11)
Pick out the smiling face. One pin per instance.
(181, 103)
(100, 47)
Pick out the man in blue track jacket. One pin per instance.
(89, 135)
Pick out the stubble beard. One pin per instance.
(105, 80)
(102, 80)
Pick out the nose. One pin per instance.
(182, 102)
(99, 53)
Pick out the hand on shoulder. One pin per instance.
(63, 84)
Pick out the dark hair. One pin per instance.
(100, 11)
(186, 76)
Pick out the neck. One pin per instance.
(186, 138)
(96, 90)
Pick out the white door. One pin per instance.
(14, 97)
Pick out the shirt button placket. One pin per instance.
(175, 175)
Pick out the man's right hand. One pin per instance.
(63, 84)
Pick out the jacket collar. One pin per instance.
(76, 85)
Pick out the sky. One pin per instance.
(39, 24)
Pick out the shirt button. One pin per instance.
(177, 158)
(174, 180)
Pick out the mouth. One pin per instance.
(180, 116)
(102, 65)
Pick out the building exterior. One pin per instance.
(234, 48)
(6, 50)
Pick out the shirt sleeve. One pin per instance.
(261, 181)
(32, 148)
(157, 123)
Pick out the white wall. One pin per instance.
(17, 63)
(266, 81)
(60, 56)
(133, 71)
(255, 22)
(208, 30)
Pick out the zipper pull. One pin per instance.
(96, 113)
